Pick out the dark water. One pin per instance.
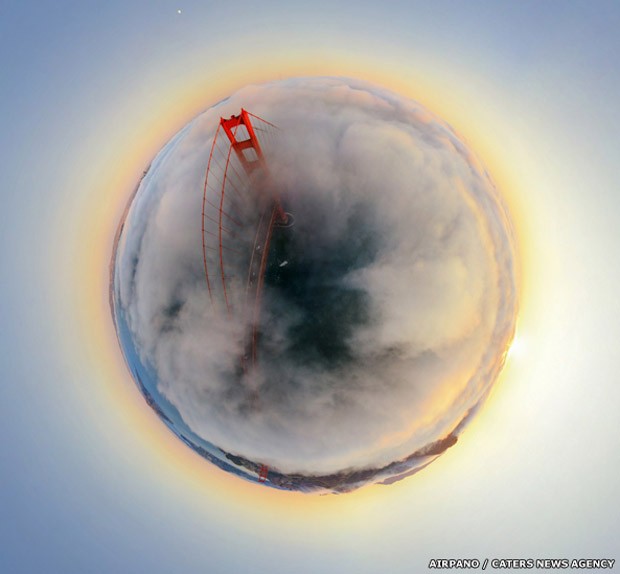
(306, 289)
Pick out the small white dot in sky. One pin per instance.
(178, 11)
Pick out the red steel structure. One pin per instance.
(239, 212)
(263, 473)
(240, 209)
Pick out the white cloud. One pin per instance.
(402, 234)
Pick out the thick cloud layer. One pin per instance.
(388, 305)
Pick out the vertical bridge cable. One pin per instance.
(204, 203)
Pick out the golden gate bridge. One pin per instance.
(240, 208)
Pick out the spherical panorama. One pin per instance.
(313, 285)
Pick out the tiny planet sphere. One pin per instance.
(313, 285)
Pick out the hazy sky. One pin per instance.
(92, 481)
